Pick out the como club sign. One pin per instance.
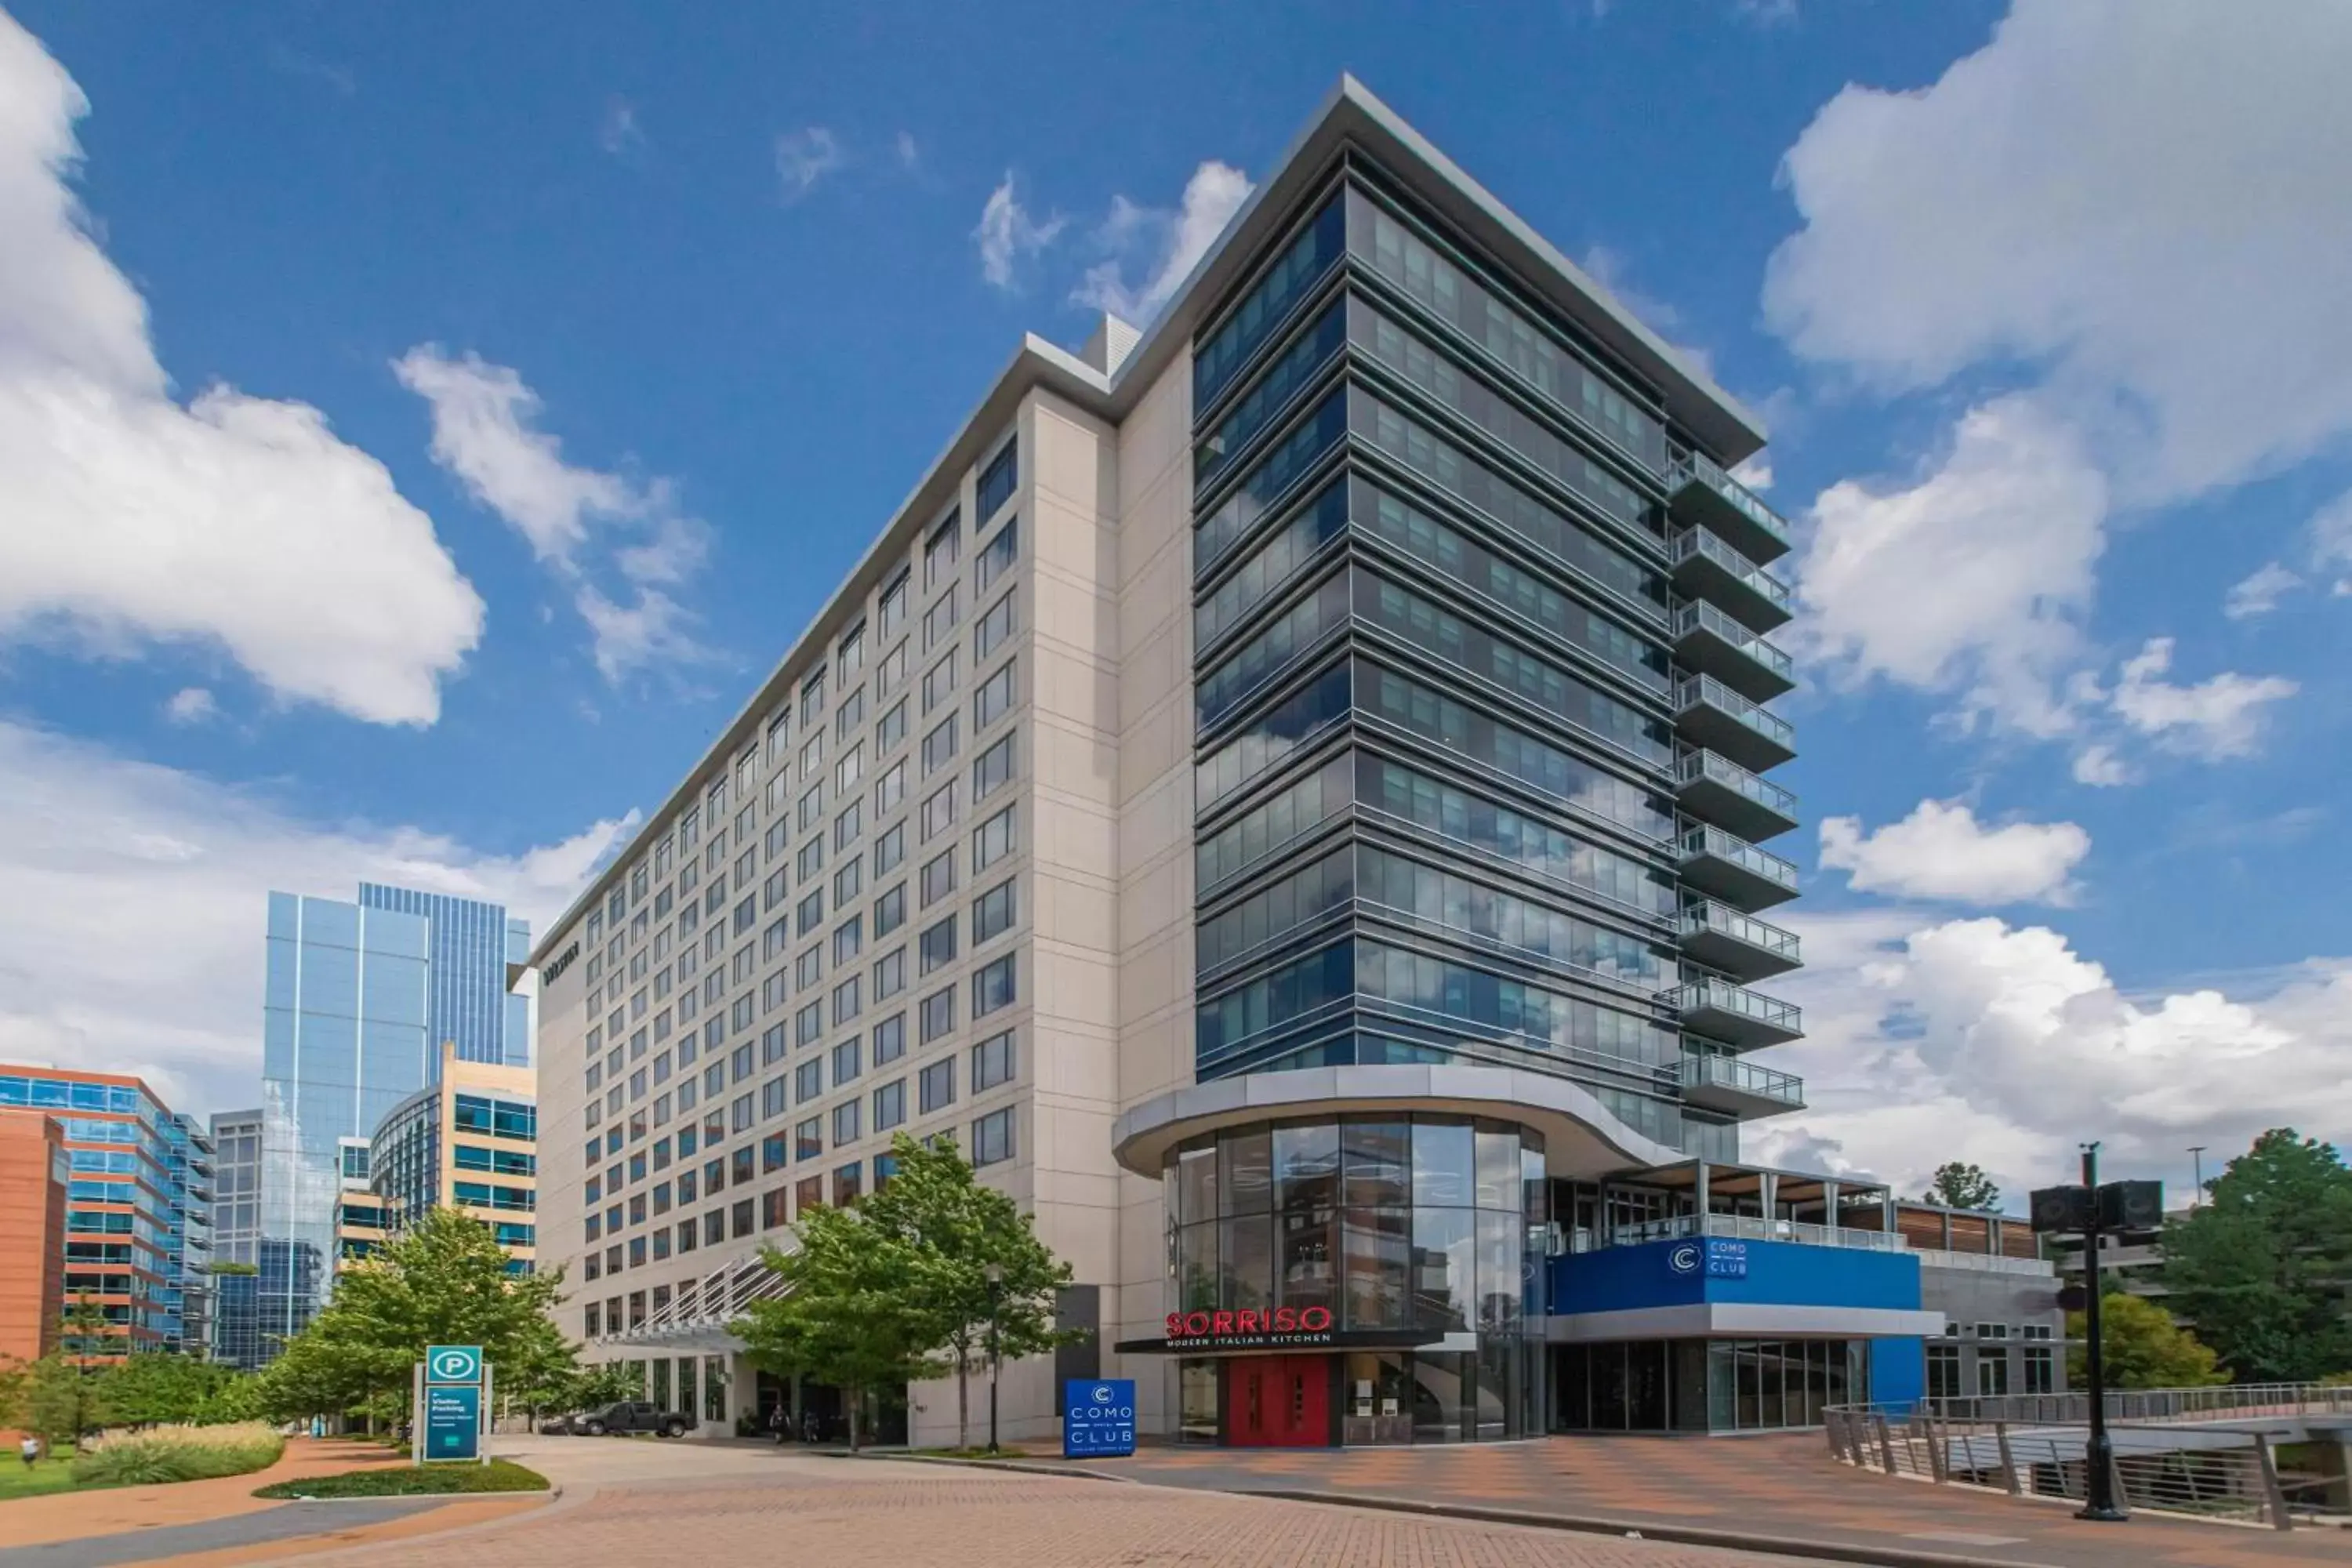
(1250, 1329)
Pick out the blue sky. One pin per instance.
(507, 397)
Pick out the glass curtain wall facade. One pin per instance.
(472, 943)
(1706, 1385)
(139, 1204)
(1480, 732)
(236, 1238)
(345, 1038)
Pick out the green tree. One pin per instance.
(156, 1388)
(2263, 1266)
(443, 1280)
(606, 1383)
(58, 1399)
(2144, 1347)
(850, 1314)
(1959, 1185)
(993, 1284)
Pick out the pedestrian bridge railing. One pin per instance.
(2209, 1452)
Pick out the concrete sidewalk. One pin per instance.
(1782, 1494)
(113, 1511)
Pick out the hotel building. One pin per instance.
(1286, 793)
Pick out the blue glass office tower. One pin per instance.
(472, 945)
(346, 1035)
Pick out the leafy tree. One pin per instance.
(443, 1280)
(155, 1388)
(1959, 1186)
(606, 1383)
(2263, 1266)
(58, 1399)
(851, 1313)
(541, 1370)
(2144, 1347)
(933, 1202)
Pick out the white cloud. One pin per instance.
(2214, 719)
(2144, 197)
(191, 705)
(133, 899)
(229, 521)
(1007, 233)
(2331, 540)
(1941, 851)
(2098, 765)
(619, 133)
(1171, 243)
(805, 156)
(484, 433)
(1754, 472)
(1977, 1039)
(909, 152)
(2259, 592)
(1973, 581)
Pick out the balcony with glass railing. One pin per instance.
(1715, 789)
(1704, 567)
(1702, 493)
(1727, 867)
(1734, 1014)
(1739, 944)
(1712, 643)
(1710, 715)
(1741, 1087)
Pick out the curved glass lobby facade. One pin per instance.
(1389, 1255)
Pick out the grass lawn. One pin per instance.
(46, 1475)
(409, 1480)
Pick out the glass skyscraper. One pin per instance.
(236, 1328)
(346, 1035)
(472, 943)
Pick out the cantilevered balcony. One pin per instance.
(1710, 715)
(1734, 1015)
(1717, 789)
(1726, 866)
(1700, 493)
(1704, 567)
(1712, 643)
(1740, 1088)
(1739, 944)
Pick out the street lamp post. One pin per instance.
(995, 1289)
(2197, 1153)
(2098, 1451)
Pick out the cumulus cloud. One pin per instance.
(1941, 851)
(2001, 1044)
(191, 705)
(1167, 243)
(805, 156)
(133, 899)
(2070, 207)
(2212, 720)
(579, 522)
(1971, 580)
(226, 522)
(2259, 592)
(1007, 234)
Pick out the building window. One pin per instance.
(1943, 1371)
(808, 1138)
(939, 877)
(808, 1194)
(940, 746)
(991, 1137)
(893, 613)
(938, 1014)
(991, 769)
(889, 974)
(892, 727)
(999, 479)
(993, 913)
(845, 1123)
(992, 987)
(993, 840)
(936, 1086)
(1992, 1372)
(938, 946)
(993, 628)
(846, 1060)
(846, 1184)
(993, 701)
(939, 682)
(808, 1080)
(890, 1039)
(940, 620)
(890, 1105)
(996, 556)
(941, 549)
(992, 1062)
(2040, 1371)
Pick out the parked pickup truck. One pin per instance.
(634, 1416)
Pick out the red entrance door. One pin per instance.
(1278, 1402)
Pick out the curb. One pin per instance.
(558, 1499)
(1022, 1466)
(1649, 1529)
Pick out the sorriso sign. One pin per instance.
(1249, 1327)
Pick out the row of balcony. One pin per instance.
(1739, 1088)
(1703, 567)
(1722, 865)
(1732, 1013)
(1710, 715)
(1702, 494)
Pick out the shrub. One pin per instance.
(413, 1481)
(178, 1453)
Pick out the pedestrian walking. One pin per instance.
(30, 1450)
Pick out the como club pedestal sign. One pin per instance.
(1098, 1417)
(452, 1387)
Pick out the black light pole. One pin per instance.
(995, 1285)
(2099, 1451)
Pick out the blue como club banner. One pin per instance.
(1098, 1417)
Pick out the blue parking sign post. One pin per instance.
(1098, 1417)
(452, 1390)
